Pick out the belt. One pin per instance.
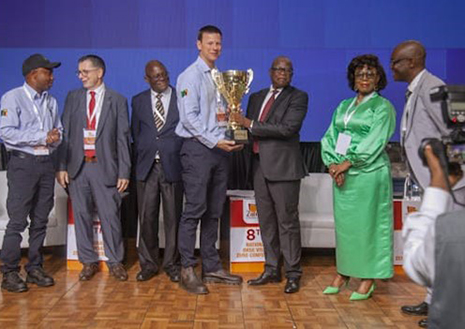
(90, 159)
(24, 155)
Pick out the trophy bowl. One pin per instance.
(233, 85)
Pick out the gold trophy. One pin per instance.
(233, 85)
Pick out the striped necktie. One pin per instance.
(159, 113)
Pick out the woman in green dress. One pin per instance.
(353, 149)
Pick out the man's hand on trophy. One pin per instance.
(228, 146)
(240, 119)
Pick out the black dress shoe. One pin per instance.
(88, 271)
(173, 274)
(221, 276)
(420, 309)
(146, 274)
(423, 323)
(118, 272)
(12, 282)
(264, 278)
(39, 277)
(292, 285)
(191, 283)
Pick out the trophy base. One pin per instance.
(240, 136)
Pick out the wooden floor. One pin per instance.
(106, 303)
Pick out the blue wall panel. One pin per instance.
(321, 37)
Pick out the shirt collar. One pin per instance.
(277, 89)
(34, 94)
(99, 90)
(411, 87)
(165, 93)
(202, 65)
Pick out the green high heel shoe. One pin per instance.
(357, 296)
(330, 290)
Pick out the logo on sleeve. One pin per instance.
(183, 92)
(4, 112)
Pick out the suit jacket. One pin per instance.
(148, 140)
(424, 121)
(112, 143)
(278, 135)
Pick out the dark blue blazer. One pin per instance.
(148, 140)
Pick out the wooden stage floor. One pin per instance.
(106, 303)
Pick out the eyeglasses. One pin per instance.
(158, 77)
(85, 73)
(282, 70)
(397, 61)
(365, 75)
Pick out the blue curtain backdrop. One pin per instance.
(319, 36)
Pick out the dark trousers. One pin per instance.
(205, 178)
(150, 195)
(31, 184)
(278, 215)
(87, 192)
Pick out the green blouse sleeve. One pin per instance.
(328, 142)
(373, 144)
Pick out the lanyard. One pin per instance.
(348, 115)
(97, 108)
(36, 109)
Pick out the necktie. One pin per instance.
(159, 117)
(408, 93)
(263, 116)
(91, 123)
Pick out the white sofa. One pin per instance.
(316, 211)
(57, 224)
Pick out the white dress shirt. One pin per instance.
(165, 100)
(99, 95)
(418, 234)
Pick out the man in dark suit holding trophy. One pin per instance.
(274, 118)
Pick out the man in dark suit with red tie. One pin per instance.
(274, 118)
(158, 171)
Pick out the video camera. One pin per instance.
(451, 148)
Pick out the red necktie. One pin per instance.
(263, 116)
(91, 124)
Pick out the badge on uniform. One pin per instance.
(89, 139)
(4, 112)
(183, 92)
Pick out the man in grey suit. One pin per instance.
(158, 171)
(274, 118)
(421, 119)
(94, 163)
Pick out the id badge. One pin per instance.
(343, 143)
(41, 150)
(89, 139)
(221, 117)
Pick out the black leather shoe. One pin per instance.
(39, 277)
(292, 285)
(420, 309)
(264, 278)
(146, 274)
(173, 275)
(88, 271)
(191, 283)
(423, 323)
(221, 276)
(118, 272)
(12, 282)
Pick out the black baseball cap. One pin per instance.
(37, 60)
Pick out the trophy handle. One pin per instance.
(249, 80)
